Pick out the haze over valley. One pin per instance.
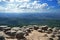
(16, 19)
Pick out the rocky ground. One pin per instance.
(30, 32)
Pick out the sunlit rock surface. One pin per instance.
(30, 32)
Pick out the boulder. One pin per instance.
(28, 30)
(2, 36)
(58, 31)
(55, 29)
(20, 35)
(36, 27)
(26, 33)
(51, 39)
(52, 35)
(45, 35)
(49, 30)
(39, 30)
(31, 28)
(44, 28)
(58, 35)
(2, 28)
(11, 33)
(7, 29)
(16, 28)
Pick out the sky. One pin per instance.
(30, 6)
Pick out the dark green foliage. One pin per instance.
(14, 19)
(20, 22)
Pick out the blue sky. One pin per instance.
(30, 6)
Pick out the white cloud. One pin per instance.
(24, 6)
(1, 8)
(0, 0)
(11, 1)
(51, 7)
(15, 0)
(34, 5)
(58, 2)
(22, 0)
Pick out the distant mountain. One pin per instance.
(16, 19)
(31, 15)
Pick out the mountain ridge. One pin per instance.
(31, 16)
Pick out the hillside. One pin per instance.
(12, 19)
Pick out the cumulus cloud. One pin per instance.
(23, 6)
(2, 8)
(15, 0)
(58, 2)
(22, 0)
(34, 5)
